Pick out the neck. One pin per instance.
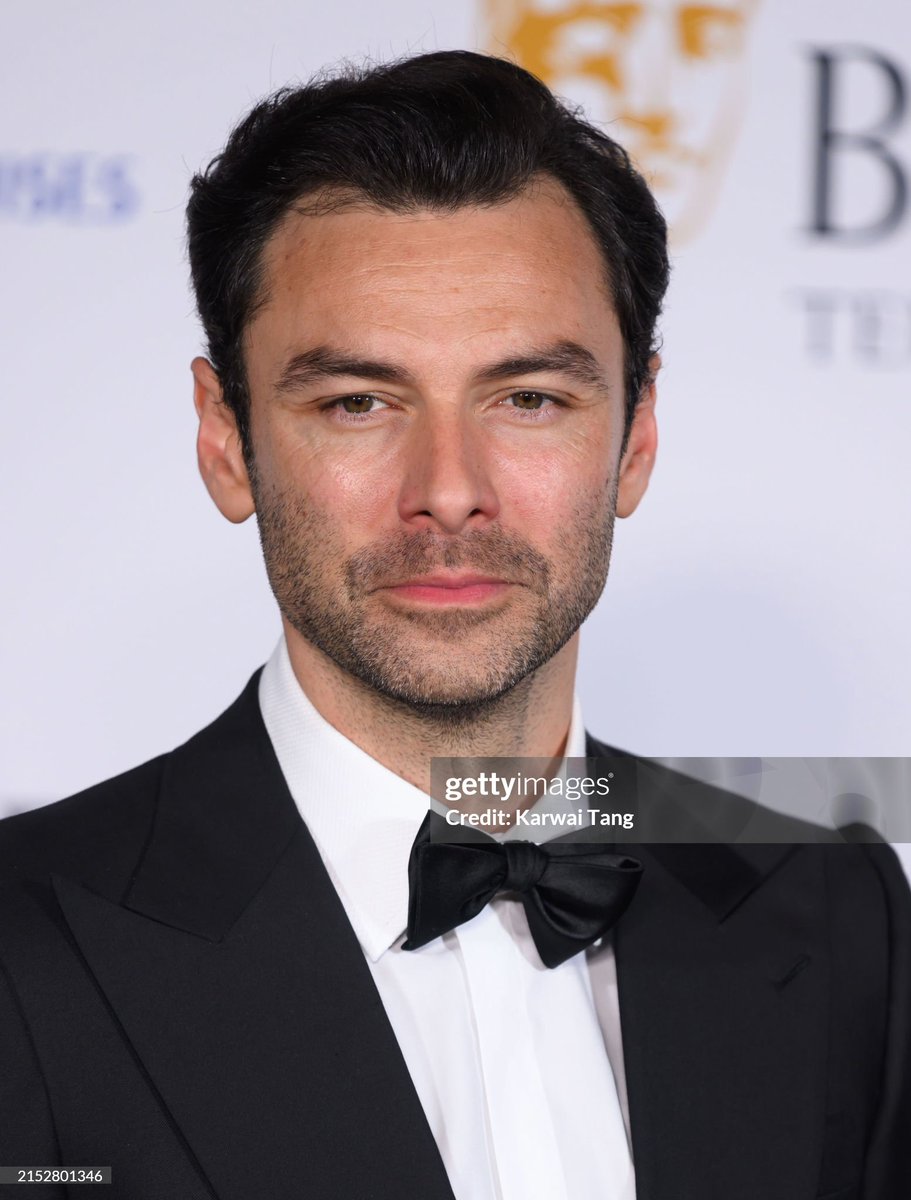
(532, 720)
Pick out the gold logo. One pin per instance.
(666, 79)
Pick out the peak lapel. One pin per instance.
(721, 963)
(224, 818)
(724, 1035)
(241, 987)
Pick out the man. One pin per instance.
(430, 295)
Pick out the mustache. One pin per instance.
(493, 551)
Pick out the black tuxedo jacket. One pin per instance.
(183, 998)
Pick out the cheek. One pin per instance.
(546, 493)
(352, 490)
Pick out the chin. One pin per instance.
(451, 696)
(452, 710)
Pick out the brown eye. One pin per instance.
(528, 400)
(357, 404)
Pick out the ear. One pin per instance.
(641, 447)
(218, 450)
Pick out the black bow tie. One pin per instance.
(573, 892)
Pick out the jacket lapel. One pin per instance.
(722, 982)
(235, 974)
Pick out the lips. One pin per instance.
(448, 581)
(468, 588)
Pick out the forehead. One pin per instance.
(430, 275)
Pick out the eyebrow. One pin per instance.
(563, 358)
(322, 362)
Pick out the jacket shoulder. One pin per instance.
(96, 835)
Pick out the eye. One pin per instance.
(358, 405)
(530, 403)
(355, 408)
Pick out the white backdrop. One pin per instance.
(758, 600)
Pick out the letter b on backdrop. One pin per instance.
(840, 147)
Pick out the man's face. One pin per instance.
(436, 416)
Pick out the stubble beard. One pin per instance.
(450, 666)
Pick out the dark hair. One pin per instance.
(439, 131)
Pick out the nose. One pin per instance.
(447, 485)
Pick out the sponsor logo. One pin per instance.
(860, 181)
(667, 79)
(859, 197)
(80, 189)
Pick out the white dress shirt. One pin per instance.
(519, 1068)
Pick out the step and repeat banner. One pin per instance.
(758, 600)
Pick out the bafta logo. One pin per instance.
(667, 79)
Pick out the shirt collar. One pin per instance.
(362, 816)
